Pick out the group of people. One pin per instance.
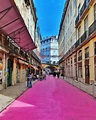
(31, 77)
(43, 75)
(56, 72)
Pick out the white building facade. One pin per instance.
(54, 50)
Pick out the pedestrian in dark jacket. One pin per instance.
(58, 73)
(29, 80)
(54, 74)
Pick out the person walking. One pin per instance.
(44, 74)
(58, 73)
(54, 74)
(29, 82)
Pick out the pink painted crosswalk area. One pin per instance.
(52, 99)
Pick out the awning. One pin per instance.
(23, 62)
(34, 67)
(12, 24)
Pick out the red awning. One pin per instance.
(12, 24)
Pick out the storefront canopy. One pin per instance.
(12, 24)
(35, 68)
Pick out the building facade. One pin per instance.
(54, 50)
(17, 41)
(67, 34)
(49, 50)
(80, 58)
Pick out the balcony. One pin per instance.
(16, 50)
(11, 47)
(83, 8)
(92, 28)
(86, 34)
(83, 11)
(21, 52)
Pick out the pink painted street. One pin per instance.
(51, 99)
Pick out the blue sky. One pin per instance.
(49, 13)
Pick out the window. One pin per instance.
(94, 12)
(80, 55)
(87, 52)
(86, 24)
(87, 1)
(95, 48)
(79, 10)
(79, 32)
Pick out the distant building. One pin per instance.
(54, 50)
(49, 50)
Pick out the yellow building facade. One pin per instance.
(80, 60)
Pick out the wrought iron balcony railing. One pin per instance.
(92, 28)
(86, 34)
(16, 50)
(84, 7)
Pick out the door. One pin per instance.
(87, 75)
(10, 69)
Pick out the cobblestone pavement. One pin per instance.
(11, 93)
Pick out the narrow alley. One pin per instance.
(52, 99)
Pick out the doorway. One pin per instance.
(87, 74)
(10, 69)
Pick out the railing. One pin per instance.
(16, 50)
(21, 53)
(92, 28)
(85, 5)
(11, 47)
(77, 44)
(83, 8)
(86, 34)
(35, 56)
